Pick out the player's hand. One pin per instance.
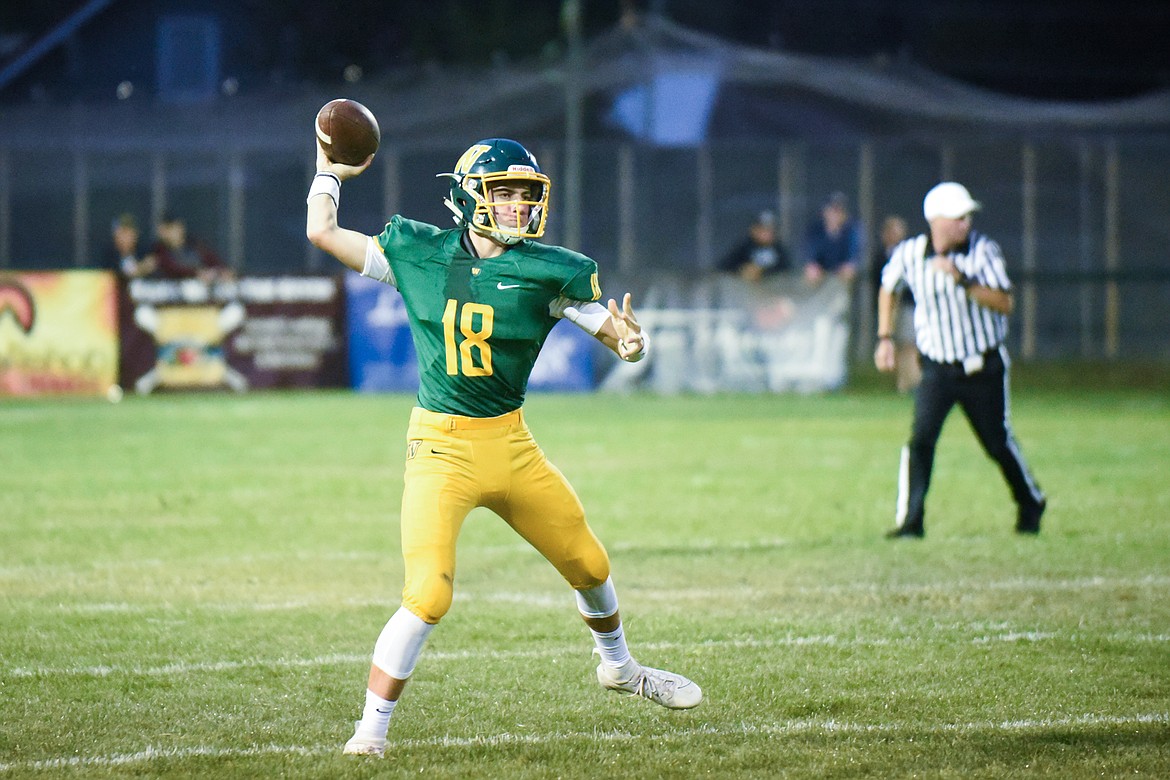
(340, 170)
(631, 339)
(883, 355)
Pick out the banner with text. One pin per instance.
(58, 332)
(253, 333)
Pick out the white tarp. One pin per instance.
(779, 335)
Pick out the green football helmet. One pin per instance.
(483, 166)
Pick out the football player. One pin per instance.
(481, 298)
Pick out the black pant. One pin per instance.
(983, 397)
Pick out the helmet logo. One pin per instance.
(469, 157)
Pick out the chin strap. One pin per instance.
(458, 218)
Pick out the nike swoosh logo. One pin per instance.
(502, 286)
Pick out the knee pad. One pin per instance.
(430, 597)
(588, 568)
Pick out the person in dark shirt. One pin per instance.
(832, 243)
(182, 257)
(123, 256)
(760, 254)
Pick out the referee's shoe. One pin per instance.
(1028, 517)
(905, 532)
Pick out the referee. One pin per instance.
(962, 300)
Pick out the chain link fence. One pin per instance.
(1084, 222)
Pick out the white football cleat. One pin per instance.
(359, 745)
(661, 687)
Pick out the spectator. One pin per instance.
(832, 244)
(760, 254)
(909, 371)
(182, 257)
(123, 256)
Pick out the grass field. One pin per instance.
(191, 586)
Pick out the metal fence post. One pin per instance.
(158, 187)
(705, 224)
(1084, 164)
(786, 184)
(946, 162)
(1112, 248)
(1028, 247)
(5, 210)
(549, 161)
(312, 253)
(863, 326)
(574, 123)
(627, 240)
(391, 183)
(235, 210)
(80, 208)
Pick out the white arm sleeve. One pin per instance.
(376, 266)
(589, 316)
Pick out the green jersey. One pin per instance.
(478, 324)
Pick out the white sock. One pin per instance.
(376, 716)
(612, 647)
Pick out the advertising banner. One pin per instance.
(381, 354)
(58, 333)
(382, 357)
(253, 333)
(566, 361)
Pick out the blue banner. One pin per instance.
(382, 357)
(566, 361)
(381, 354)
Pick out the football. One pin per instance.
(348, 132)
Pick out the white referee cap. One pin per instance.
(949, 199)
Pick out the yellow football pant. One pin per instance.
(454, 464)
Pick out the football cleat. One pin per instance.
(661, 687)
(360, 745)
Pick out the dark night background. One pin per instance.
(1049, 49)
(670, 125)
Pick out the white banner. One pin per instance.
(778, 335)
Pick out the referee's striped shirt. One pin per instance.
(949, 326)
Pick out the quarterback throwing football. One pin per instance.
(481, 298)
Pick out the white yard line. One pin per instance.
(558, 599)
(774, 728)
(581, 650)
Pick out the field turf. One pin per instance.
(191, 586)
